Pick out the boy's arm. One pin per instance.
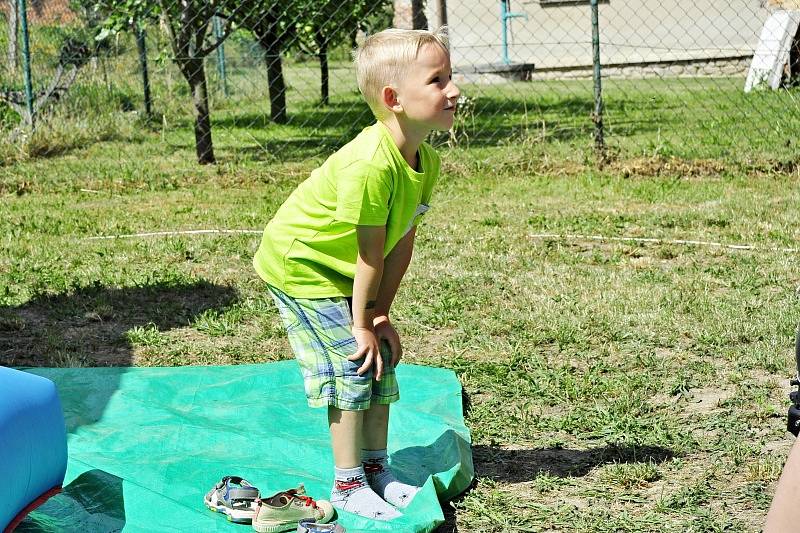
(394, 268)
(369, 272)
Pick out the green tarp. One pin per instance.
(145, 444)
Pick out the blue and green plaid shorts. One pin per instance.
(320, 334)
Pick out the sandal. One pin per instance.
(233, 496)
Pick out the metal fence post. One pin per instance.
(141, 44)
(26, 57)
(505, 16)
(221, 56)
(597, 116)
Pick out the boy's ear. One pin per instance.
(389, 99)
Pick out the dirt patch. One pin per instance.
(707, 400)
(661, 400)
(764, 378)
(779, 447)
(431, 345)
(672, 166)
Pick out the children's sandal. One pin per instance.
(233, 496)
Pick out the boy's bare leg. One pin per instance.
(376, 460)
(376, 427)
(351, 491)
(346, 430)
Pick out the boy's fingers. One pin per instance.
(378, 367)
(358, 355)
(397, 351)
(367, 363)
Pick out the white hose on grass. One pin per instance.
(683, 242)
(542, 236)
(176, 233)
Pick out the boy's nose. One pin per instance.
(452, 91)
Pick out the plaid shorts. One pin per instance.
(320, 334)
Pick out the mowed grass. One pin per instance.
(609, 385)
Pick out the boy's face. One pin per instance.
(427, 94)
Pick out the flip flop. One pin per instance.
(233, 496)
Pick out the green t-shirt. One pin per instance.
(309, 248)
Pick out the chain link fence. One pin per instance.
(269, 79)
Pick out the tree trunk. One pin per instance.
(418, 15)
(354, 38)
(277, 87)
(13, 23)
(195, 74)
(442, 13)
(410, 15)
(322, 44)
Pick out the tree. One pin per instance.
(272, 24)
(187, 23)
(76, 48)
(324, 24)
(73, 55)
(312, 25)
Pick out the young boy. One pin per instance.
(336, 250)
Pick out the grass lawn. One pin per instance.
(609, 385)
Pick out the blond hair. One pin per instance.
(384, 58)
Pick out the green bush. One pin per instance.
(8, 117)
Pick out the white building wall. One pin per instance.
(630, 32)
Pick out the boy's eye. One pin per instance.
(435, 80)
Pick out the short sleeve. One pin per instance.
(363, 193)
(432, 175)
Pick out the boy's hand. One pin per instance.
(385, 331)
(369, 349)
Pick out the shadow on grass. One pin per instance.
(88, 326)
(314, 130)
(493, 116)
(489, 122)
(319, 131)
(515, 466)
(344, 115)
(294, 150)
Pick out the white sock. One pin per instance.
(383, 482)
(352, 493)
